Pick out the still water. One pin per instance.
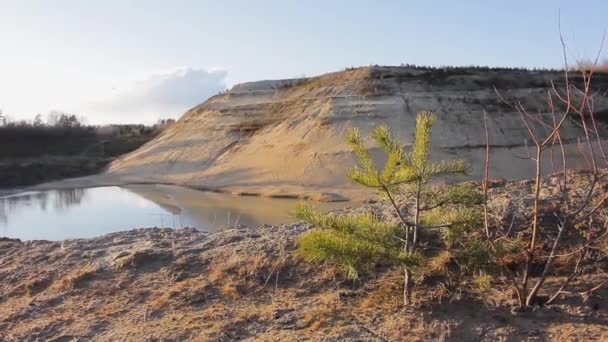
(90, 212)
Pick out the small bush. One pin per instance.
(356, 243)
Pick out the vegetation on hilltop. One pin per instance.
(64, 146)
(67, 135)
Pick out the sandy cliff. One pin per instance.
(284, 138)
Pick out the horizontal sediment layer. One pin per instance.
(287, 137)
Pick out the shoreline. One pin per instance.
(339, 191)
(108, 180)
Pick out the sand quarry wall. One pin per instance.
(286, 138)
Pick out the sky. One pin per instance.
(137, 61)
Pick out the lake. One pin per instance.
(90, 212)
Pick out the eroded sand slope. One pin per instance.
(285, 138)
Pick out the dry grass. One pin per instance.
(439, 262)
(375, 88)
(386, 293)
(242, 292)
(142, 258)
(325, 310)
(240, 274)
(36, 285)
(230, 290)
(412, 327)
(191, 292)
(257, 312)
(111, 309)
(77, 277)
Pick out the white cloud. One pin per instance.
(161, 95)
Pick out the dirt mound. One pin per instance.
(285, 138)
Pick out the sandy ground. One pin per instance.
(244, 284)
(247, 283)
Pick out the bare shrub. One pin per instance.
(560, 227)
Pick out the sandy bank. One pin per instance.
(247, 283)
(327, 194)
(506, 162)
(238, 284)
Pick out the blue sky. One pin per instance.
(132, 61)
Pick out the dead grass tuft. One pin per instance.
(240, 274)
(325, 310)
(439, 262)
(386, 293)
(144, 258)
(192, 292)
(77, 277)
(411, 327)
(375, 88)
(37, 285)
(230, 290)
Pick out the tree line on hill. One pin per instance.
(58, 123)
(64, 134)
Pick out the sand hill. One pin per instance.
(285, 137)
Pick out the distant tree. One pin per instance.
(356, 243)
(3, 119)
(165, 122)
(161, 124)
(63, 120)
(38, 121)
(68, 121)
(52, 118)
(586, 65)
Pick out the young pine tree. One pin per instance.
(355, 243)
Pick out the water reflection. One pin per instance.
(59, 199)
(69, 198)
(78, 213)
(212, 211)
(3, 219)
